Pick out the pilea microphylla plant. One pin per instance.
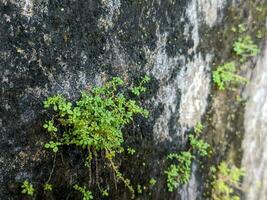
(227, 180)
(27, 188)
(94, 122)
(244, 48)
(225, 74)
(178, 173)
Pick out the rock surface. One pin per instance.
(64, 46)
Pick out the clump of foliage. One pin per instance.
(152, 181)
(199, 145)
(139, 189)
(241, 28)
(48, 187)
(259, 34)
(87, 195)
(226, 181)
(94, 122)
(105, 193)
(130, 151)
(198, 128)
(27, 188)
(226, 74)
(137, 90)
(179, 172)
(245, 48)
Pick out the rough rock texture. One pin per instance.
(64, 46)
(254, 144)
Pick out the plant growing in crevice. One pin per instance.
(139, 189)
(225, 75)
(105, 193)
(245, 48)
(198, 128)
(130, 151)
(179, 172)
(152, 182)
(87, 194)
(200, 146)
(226, 182)
(48, 187)
(137, 90)
(27, 188)
(94, 122)
(144, 188)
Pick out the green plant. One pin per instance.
(199, 145)
(87, 195)
(198, 128)
(233, 29)
(226, 179)
(226, 74)
(48, 187)
(27, 188)
(130, 151)
(139, 189)
(53, 145)
(179, 174)
(50, 126)
(105, 193)
(241, 28)
(152, 181)
(245, 48)
(94, 122)
(259, 34)
(137, 90)
(259, 8)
